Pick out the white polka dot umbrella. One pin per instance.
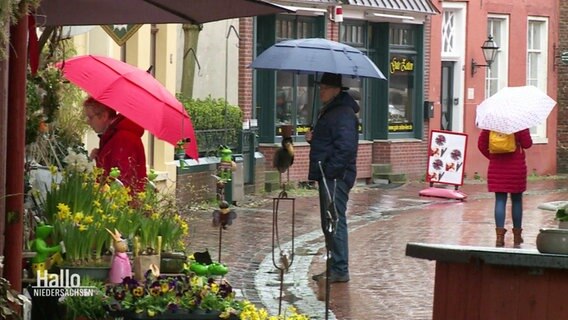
(513, 109)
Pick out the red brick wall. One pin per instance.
(195, 187)
(245, 59)
(299, 170)
(407, 157)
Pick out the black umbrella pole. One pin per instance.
(220, 241)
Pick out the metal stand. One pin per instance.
(285, 259)
(330, 227)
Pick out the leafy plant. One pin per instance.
(87, 306)
(562, 213)
(9, 300)
(157, 294)
(215, 122)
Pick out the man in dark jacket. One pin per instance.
(120, 144)
(334, 143)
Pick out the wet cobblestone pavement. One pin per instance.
(385, 284)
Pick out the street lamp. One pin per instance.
(489, 48)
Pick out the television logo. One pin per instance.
(63, 284)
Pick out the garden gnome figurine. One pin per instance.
(45, 255)
(120, 267)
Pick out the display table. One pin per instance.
(495, 283)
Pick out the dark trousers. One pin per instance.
(337, 242)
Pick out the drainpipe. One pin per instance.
(154, 31)
(15, 153)
(3, 140)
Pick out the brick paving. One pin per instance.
(385, 284)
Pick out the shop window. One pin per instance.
(294, 92)
(402, 102)
(401, 93)
(294, 101)
(354, 33)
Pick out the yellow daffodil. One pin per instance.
(88, 220)
(78, 217)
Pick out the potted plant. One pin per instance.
(562, 216)
(188, 296)
(10, 300)
(87, 307)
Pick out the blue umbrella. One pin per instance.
(317, 55)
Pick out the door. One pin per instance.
(447, 98)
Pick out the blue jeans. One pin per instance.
(501, 205)
(337, 243)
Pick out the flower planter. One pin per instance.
(142, 264)
(99, 273)
(552, 241)
(172, 262)
(180, 314)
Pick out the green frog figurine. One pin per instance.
(46, 255)
(226, 164)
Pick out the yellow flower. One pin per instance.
(214, 288)
(53, 170)
(155, 216)
(185, 228)
(96, 204)
(141, 195)
(151, 313)
(165, 287)
(138, 291)
(63, 211)
(78, 217)
(155, 291)
(88, 220)
(83, 227)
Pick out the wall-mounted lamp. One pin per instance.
(489, 48)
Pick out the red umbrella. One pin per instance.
(134, 93)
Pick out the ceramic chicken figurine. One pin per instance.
(45, 255)
(284, 156)
(120, 267)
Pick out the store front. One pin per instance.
(391, 109)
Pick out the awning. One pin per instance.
(414, 6)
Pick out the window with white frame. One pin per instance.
(448, 33)
(496, 75)
(537, 44)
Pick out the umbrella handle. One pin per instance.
(314, 113)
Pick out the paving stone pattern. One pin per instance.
(385, 284)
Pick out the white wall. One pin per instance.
(211, 79)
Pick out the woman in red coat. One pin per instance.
(120, 144)
(507, 173)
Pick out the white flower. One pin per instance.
(78, 161)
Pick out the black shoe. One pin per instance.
(316, 277)
(333, 278)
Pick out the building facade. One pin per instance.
(527, 36)
(393, 128)
(427, 51)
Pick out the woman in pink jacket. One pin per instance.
(507, 173)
